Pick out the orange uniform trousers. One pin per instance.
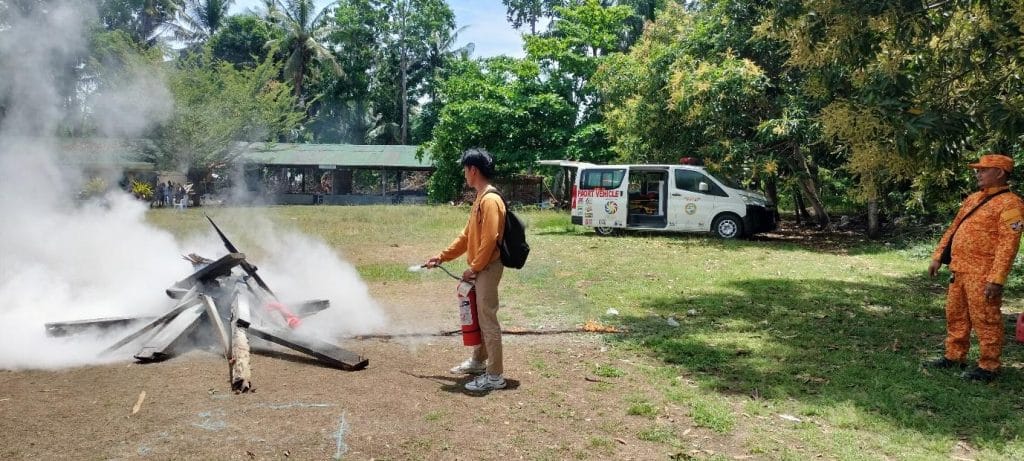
(967, 309)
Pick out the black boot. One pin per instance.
(980, 374)
(943, 363)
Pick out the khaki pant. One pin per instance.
(967, 309)
(487, 313)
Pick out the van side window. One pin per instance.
(690, 180)
(603, 179)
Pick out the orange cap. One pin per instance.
(994, 161)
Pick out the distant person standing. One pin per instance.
(983, 241)
(160, 193)
(479, 241)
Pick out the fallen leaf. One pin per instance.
(593, 326)
(790, 418)
(138, 403)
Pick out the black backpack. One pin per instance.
(513, 247)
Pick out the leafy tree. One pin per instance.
(523, 12)
(580, 40)
(199, 20)
(410, 28)
(690, 86)
(504, 105)
(242, 40)
(304, 32)
(218, 106)
(909, 88)
(143, 20)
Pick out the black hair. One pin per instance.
(481, 159)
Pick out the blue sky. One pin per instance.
(485, 23)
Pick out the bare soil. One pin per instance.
(405, 405)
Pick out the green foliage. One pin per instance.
(141, 190)
(142, 20)
(303, 30)
(608, 371)
(910, 90)
(242, 40)
(94, 187)
(217, 106)
(503, 105)
(198, 20)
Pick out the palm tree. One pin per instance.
(441, 50)
(198, 20)
(305, 31)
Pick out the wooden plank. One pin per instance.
(218, 268)
(241, 310)
(213, 314)
(327, 353)
(162, 345)
(307, 308)
(188, 301)
(60, 329)
(175, 292)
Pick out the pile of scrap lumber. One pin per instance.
(230, 309)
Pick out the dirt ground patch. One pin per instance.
(405, 405)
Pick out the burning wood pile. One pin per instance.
(222, 306)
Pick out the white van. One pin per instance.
(681, 197)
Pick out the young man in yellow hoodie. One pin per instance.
(479, 241)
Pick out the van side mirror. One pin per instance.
(703, 186)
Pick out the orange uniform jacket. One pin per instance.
(479, 239)
(987, 242)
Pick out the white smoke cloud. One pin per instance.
(62, 260)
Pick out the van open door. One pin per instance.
(565, 183)
(600, 198)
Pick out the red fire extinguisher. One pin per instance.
(467, 314)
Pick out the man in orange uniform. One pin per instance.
(984, 244)
(479, 241)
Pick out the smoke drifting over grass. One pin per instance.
(62, 259)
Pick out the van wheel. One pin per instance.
(727, 226)
(606, 231)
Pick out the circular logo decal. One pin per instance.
(690, 208)
(611, 207)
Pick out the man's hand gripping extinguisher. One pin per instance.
(467, 308)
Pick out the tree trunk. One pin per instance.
(807, 178)
(873, 218)
(799, 207)
(298, 79)
(771, 189)
(403, 65)
(405, 101)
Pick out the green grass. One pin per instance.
(646, 409)
(608, 371)
(831, 333)
(713, 414)
(657, 434)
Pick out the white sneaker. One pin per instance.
(469, 367)
(486, 382)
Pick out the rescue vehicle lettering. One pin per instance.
(600, 193)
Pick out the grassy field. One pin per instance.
(794, 348)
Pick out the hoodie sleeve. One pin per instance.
(457, 247)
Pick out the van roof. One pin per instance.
(575, 164)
